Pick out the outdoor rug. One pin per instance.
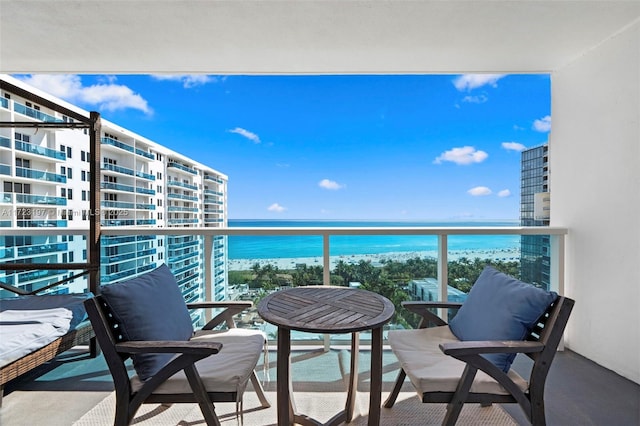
(407, 411)
(319, 390)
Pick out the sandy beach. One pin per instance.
(511, 254)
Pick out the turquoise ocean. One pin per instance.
(265, 247)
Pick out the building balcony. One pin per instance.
(5, 142)
(41, 151)
(42, 249)
(117, 169)
(176, 196)
(146, 176)
(34, 113)
(182, 185)
(144, 154)
(146, 191)
(174, 209)
(40, 200)
(41, 175)
(31, 223)
(117, 144)
(117, 187)
(185, 169)
(213, 179)
(182, 221)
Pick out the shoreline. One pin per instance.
(509, 254)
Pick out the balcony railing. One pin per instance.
(118, 144)
(34, 113)
(213, 263)
(443, 234)
(40, 150)
(174, 165)
(40, 175)
(182, 185)
(41, 200)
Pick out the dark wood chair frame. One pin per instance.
(117, 351)
(540, 345)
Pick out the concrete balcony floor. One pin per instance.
(579, 392)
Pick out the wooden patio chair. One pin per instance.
(444, 368)
(146, 319)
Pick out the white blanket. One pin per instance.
(24, 331)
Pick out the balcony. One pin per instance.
(34, 113)
(176, 196)
(41, 150)
(146, 176)
(178, 166)
(182, 185)
(571, 385)
(5, 142)
(144, 154)
(117, 169)
(117, 144)
(40, 175)
(118, 187)
(41, 200)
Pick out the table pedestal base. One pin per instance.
(287, 413)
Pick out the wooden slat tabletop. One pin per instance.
(326, 309)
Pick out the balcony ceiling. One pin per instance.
(295, 36)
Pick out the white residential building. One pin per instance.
(44, 175)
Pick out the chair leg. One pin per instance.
(257, 387)
(206, 406)
(454, 407)
(391, 399)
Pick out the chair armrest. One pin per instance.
(169, 346)
(422, 308)
(226, 316)
(201, 305)
(490, 346)
(420, 304)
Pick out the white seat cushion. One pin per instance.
(226, 371)
(430, 370)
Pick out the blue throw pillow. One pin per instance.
(150, 307)
(500, 307)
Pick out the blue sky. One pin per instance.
(404, 147)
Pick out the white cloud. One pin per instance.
(513, 146)
(105, 96)
(480, 99)
(479, 191)
(462, 156)
(504, 193)
(473, 81)
(543, 124)
(330, 184)
(189, 80)
(275, 207)
(247, 134)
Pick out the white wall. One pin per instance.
(595, 191)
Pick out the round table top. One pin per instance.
(326, 309)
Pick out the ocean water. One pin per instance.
(265, 247)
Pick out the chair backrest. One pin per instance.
(548, 330)
(106, 330)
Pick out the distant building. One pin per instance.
(534, 211)
(427, 289)
(44, 175)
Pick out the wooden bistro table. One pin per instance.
(330, 310)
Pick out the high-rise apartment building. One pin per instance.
(534, 211)
(44, 175)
